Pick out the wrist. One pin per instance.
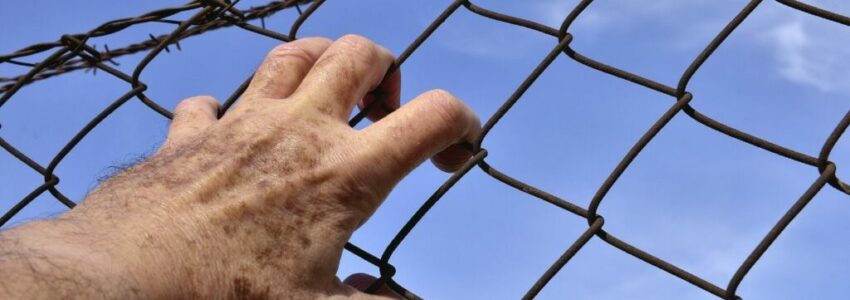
(149, 259)
(52, 259)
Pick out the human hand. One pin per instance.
(260, 203)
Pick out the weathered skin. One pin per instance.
(256, 205)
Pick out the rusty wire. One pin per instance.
(72, 53)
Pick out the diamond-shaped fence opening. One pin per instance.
(74, 52)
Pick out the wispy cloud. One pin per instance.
(792, 41)
(810, 54)
(805, 50)
(693, 28)
(552, 13)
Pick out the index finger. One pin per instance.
(351, 67)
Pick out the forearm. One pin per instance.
(51, 260)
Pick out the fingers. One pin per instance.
(361, 282)
(192, 116)
(387, 94)
(285, 67)
(351, 67)
(427, 125)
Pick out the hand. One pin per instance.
(260, 203)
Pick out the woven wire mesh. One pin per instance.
(72, 52)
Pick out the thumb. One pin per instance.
(434, 124)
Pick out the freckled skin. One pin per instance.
(256, 205)
(242, 290)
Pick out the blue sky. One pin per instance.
(694, 197)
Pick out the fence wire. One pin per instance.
(72, 52)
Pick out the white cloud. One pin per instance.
(552, 13)
(810, 54)
(791, 42)
(693, 29)
(806, 50)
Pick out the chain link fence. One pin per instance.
(73, 52)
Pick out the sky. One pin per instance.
(694, 197)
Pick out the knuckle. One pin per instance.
(440, 93)
(196, 103)
(289, 53)
(323, 40)
(446, 106)
(354, 40)
(360, 46)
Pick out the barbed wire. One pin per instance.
(72, 52)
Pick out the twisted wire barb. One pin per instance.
(72, 52)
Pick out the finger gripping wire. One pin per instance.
(73, 52)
